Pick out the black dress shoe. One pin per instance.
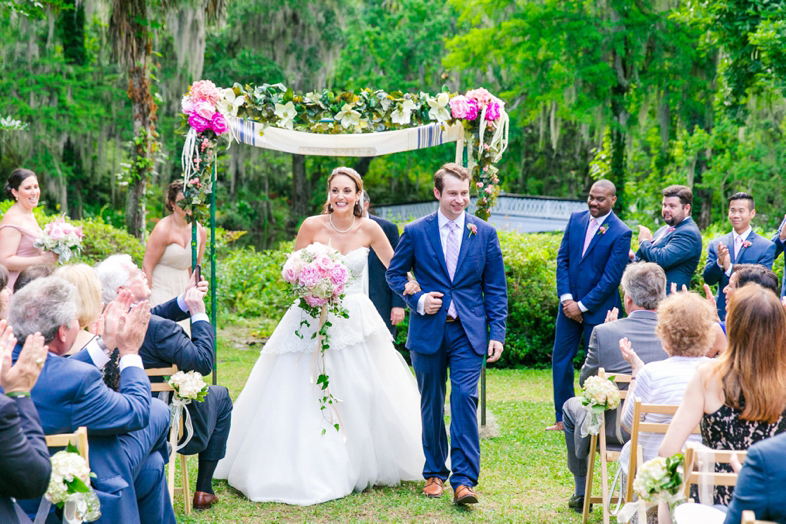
(576, 503)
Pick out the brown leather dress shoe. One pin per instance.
(464, 495)
(203, 500)
(434, 487)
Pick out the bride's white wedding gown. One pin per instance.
(276, 450)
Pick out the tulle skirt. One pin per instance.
(277, 450)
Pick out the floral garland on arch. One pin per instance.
(207, 110)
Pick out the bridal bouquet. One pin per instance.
(318, 277)
(69, 486)
(598, 396)
(62, 238)
(657, 480)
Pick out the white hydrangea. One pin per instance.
(601, 392)
(66, 466)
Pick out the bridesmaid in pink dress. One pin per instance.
(19, 228)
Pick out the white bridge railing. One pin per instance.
(518, 206)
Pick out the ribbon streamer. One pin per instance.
(187, 158)
(641, 506)
(178, 407)
(78, 508)
(592, 422)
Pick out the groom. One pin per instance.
(457, 261)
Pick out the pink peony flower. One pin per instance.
(478, 184)
(78, 232)
(459, 106)
(289, 275)
(315, 301)
(198, 123)
(489, 190)
(339, 275)
(218, 124)
(187, 105)
(205, 90)
(481, 96)
(204, 109)
(324, 262)
(474, 110)
(494, 110)
(309, 277)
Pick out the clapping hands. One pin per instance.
(22, 376)
(125, 327)
(630, 356)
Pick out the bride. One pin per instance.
(276, 449)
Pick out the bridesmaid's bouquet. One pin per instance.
(62, 238)
(598, 396)
(318, 277)
(69, 487)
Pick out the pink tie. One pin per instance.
(737, 247)
(451, 258)
(592, 228)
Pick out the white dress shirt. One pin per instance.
(442, 222)
(569, 296)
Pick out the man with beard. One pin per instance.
(676, 247)
(590, 262)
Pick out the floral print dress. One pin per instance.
(725, 430)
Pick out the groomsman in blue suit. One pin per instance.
(779, 239)
(741, 246)
(458, 317)
(591, 259)
(676, 247)
(390, 306)
(126, 429)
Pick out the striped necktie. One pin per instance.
(451, 257)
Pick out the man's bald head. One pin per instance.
(602, 197)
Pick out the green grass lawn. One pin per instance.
(524, 477)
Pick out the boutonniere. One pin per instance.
(602, 230)
(746, 244)
(473, 230)
(671, 229)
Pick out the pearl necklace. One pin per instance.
(330, 217)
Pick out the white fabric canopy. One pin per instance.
(354, 145)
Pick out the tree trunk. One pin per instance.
(362, 164)
(300, 190)
(143, 111)
(618, 147)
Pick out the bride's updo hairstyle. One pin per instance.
(18, 176)
(351, 173)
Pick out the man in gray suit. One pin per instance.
(644, 284)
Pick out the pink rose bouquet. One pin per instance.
(318, 277)
(62, 238)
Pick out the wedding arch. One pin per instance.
(370, 123)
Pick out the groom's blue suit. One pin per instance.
(478, 290)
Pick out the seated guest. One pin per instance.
(24, 457)
(89, 305)
(645, 286)
(166, 343)
(31, 273)
(127, 430)
(5, 291)
(760, 483)
(685, 323)
(739, 398)
(741, 246)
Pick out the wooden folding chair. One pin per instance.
(78, 438)
(720, 456)
(748, 517)
(184, 489)
(606, 456)
(640, 409)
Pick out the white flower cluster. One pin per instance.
(600, 392)
(9, 124)
(188, 386)
(652, 479)
(66, 466)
